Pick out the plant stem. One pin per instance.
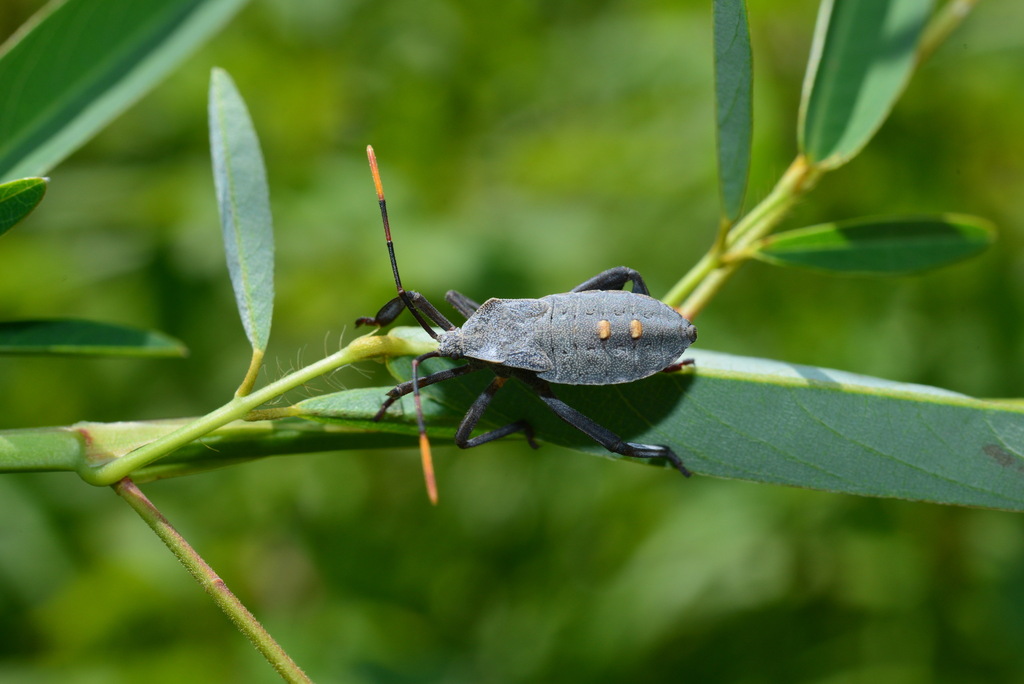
(707, 264)
(945, 21)
(214, 585)
(362, 348)
(798, 180)
(697, 287)
(249, 381)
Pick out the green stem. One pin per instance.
(798, 180)
(694, 290)
(724, 226)
(249, 381)
(945, 21)
(361, 348)
(707, 289)
(214, 585)
(697, 287)
(708, 263)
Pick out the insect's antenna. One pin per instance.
(428, 461)
(425, 457)
(406, 299)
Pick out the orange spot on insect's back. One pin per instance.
(604, 329)
(636, 329)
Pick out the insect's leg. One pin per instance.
(462, 438)
(602, 435)
(677, 366)
(389, 312)
(424, 305)
(403, 388)
(461, 303)
(614, 279)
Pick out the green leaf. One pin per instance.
(84, 338)
(767, 421)
(879, 246)
(18, 199)
(862, 57)
(71, 448)
(80, 63)
(244, 204)
(734, 112)
(356, 408)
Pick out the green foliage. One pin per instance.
(82, 63)
(532, 146)
(244, 203)
(828, 430)
(84, 337)
(733, 102)
(107, 55)
(862, 58)
(889, 246)
(18, 199)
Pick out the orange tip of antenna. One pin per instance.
(428, 468)
(376, 173)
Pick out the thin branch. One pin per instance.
(211, 582)
(360, 349)
(945, 21)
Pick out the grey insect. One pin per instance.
(596, 334)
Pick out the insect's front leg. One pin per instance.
(389, 312)
(461, 303)
(403, 388)
(614, 279)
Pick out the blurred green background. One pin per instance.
(525, 146)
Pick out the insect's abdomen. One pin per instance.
(604, 337)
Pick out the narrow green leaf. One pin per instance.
(18, 199)
(862, 57)
(879, 246)
(244, 204)
(356, 408)
(84, 338)
(767, 421)
(80, 63)
(70, 448)
(41, 449)
(734, 112)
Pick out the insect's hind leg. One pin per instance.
(602, 435)
(678, 366)
(461, 303)
(614, 279)
(390, 311)
(476, 411)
